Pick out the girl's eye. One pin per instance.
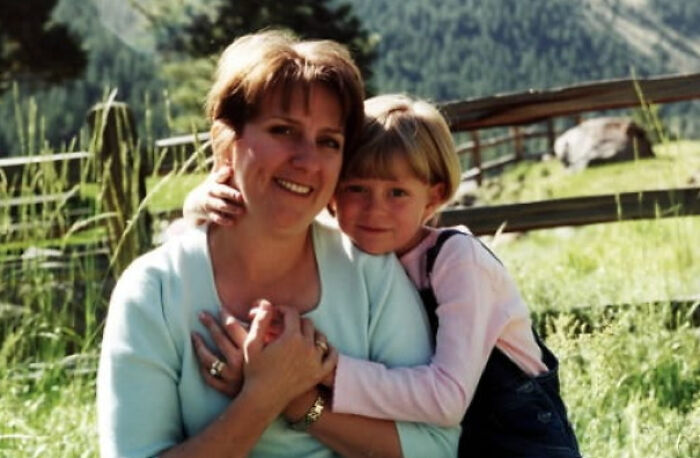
(397, 192)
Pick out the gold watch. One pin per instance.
(311, 415)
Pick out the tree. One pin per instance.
(209, 34)
(195, 34)
(32, 44)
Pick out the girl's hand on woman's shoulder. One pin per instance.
(215, 200)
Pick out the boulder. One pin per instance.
(602, 140)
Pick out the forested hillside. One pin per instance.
(442, 50)
(456, 49)
(465, 48)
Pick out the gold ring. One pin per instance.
(217, 368)
(322, 345)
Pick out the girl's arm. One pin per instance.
(473, 296)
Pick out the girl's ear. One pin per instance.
(436, 197)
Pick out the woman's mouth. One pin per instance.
(295, 188)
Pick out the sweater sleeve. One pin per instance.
(399, 336)
(470, 291)
(137, 397)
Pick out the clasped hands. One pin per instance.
(282, 356)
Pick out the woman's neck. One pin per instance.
(249, 264)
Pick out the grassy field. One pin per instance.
(632, 384)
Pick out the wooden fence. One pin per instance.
(575, 211)
(542, 106)
(513, 110)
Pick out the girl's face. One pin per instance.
(287, 162)
(386, 215)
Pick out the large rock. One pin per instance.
(601, 140)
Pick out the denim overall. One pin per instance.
(512, 414)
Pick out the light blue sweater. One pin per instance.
(150, 393)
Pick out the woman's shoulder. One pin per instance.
(169, 257)
(155, 287)
(333, 245)
(335, 253)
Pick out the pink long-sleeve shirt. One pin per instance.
(479, 307)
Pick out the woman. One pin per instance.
(282, 114)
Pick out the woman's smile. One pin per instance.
(295, 188)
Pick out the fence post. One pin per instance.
(518, 143)
(476, 155)
(121, 173)
(550, 136)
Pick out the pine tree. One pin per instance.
(33, 46)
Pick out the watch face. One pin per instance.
(313, 414)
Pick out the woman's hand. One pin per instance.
(229, 339)
(215, 200)
(292, 364)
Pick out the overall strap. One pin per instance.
(427, 294)
(432, 253)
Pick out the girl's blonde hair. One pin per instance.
(397, 125)
(257, 64)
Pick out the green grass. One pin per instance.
(674, 166)
(168, 196)
(603, 264)
(632, 389)
(171, 195)
(53, 416)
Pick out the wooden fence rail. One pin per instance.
(575, 211)
(70, 164)
(538, 105)
(516, 136)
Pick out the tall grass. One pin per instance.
(632, 386)
(56, 275)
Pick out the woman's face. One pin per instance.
(287, 162)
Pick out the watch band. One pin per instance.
(311, 415)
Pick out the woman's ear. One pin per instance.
(436, 197)
(332, 207)
(222, 136)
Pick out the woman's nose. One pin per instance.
(306, 157)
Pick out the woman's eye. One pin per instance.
(331, 143)
(281, 129)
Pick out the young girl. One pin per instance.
(487, 357)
